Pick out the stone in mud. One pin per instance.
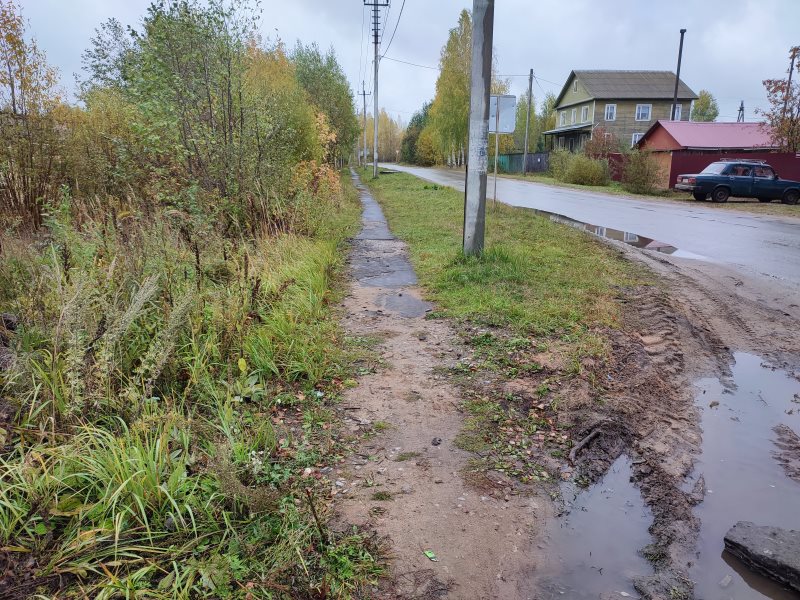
(771, 551)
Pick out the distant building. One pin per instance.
(682, 147)
(625, 103)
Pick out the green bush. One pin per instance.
(578, 168)
(583, 170)
(559, 163)
(641, 173)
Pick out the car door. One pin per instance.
(765, 185)
(741, 180)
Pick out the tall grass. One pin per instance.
(147, 454)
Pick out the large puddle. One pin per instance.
(744, 481)
(626, 237)
(593, 550)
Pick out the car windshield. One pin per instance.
(715, 168)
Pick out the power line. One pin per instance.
(391, 39)
(405, 62)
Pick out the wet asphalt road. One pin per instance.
(756, 244)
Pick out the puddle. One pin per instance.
(592, 551)
(744, 481)
(632, 239)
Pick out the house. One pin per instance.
(682, 147)
(625, 103)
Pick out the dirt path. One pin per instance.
(407, 481)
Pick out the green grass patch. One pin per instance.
(535, 277)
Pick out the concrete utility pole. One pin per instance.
(376, 15)
(677, 77)
(478, 147)
(364, 95)
(527, 124)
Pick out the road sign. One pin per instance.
(508, 114)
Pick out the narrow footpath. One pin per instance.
(451, 535)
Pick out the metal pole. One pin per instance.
(477, 151)
(677, 77)
(527, 124)
(496, 148)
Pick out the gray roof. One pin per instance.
(630, 85)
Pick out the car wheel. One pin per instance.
(765, 199)
(720, 194)
(699, 197)
(791, 197)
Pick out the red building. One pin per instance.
(687, 147)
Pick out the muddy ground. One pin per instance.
(413, 483)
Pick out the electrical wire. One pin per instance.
(405, 62)
(391, 39)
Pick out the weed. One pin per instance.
(403, 456)
(382, 496)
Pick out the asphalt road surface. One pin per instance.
(755, 244)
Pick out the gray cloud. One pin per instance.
(730, 47)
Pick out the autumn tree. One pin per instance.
(705, 108)
(448, 126)
(533, 131)
(783, 115)
(29, 142)
(326, 84)
(546, 118)
(408, 146)
(601, 144)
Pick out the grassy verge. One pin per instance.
(750, 205)
(165, 409)
(534, 308)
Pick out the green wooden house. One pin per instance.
(625, 103)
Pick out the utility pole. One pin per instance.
(740, 116)
(376, 15)
(677, 77)
(478, 145)
(364, 95)
(527, 124)
(789, 83)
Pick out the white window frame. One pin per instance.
(613, 108)
(635, 139)
(562, 119)
(649, 112)
(678, 112)
(584, 114)
(574, 114)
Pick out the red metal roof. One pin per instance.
(715, 135)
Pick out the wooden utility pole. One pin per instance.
(478, 145)
(376, 16)
(527, 124)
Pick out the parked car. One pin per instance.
(741, 179)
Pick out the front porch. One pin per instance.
(570, 138)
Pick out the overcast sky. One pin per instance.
(730, 45)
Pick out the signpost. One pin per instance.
(502, 119)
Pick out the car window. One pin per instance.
(715, 168)
(740, 171)
(765, 172)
